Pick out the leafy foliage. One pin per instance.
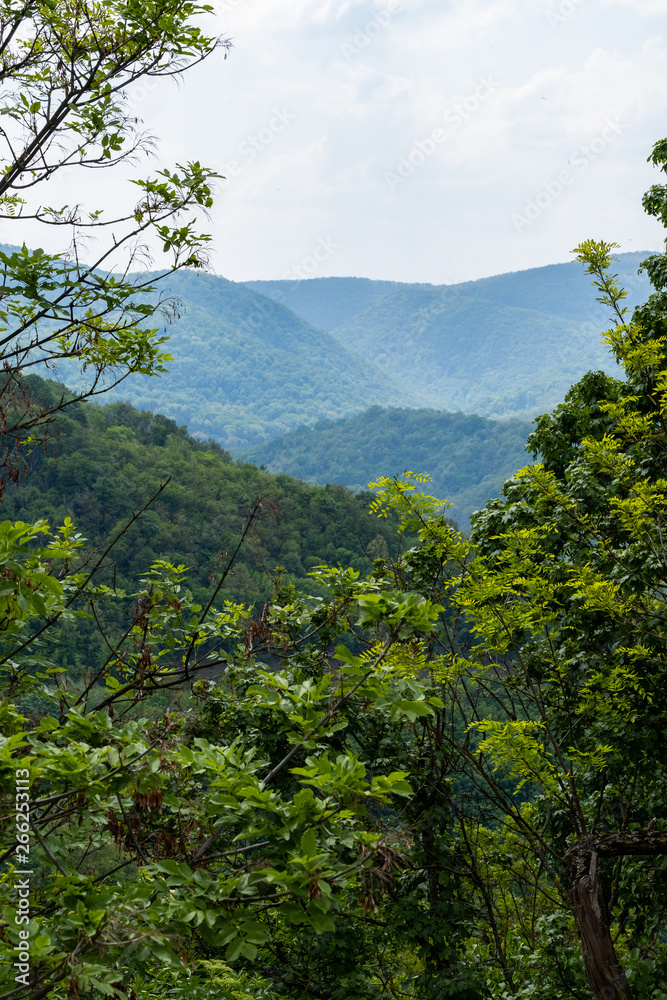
(272, 824)
(436, 773)
(65, 71)
(108, 460)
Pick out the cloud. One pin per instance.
(364, 86)
(644, 7)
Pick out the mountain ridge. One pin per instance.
(306, 296)
(467, 456)
(247, 368)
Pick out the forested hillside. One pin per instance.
(508, 345)
(473, 354)
(561, 289)
(107, 461)
(246, 368)
(558, 289)
(468, 457)
(265, 740)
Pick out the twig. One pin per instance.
(51, 621)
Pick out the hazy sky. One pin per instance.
(421, 140)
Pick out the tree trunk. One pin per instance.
(605, 974)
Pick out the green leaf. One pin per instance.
(234, 949)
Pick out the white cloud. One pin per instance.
(645, 7)
(354, 115)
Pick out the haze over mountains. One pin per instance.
(559, 289)
(248, 368)
(258, 364)
(508, 345)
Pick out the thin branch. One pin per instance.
(79, 590)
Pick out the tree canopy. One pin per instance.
(436, 775)
(65, 71)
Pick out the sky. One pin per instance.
(419, 140)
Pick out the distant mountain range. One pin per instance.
(253, 362)
(558, 289)
(340, 380)
(247, 369)
(508, 345)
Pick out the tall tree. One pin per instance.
(65, 71)
(555, 715)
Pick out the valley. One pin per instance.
(297, 375)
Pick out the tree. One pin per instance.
(555, 715)
(225, 847)
(446, 771)
(65, 71)
(228, 843)
(578, 605)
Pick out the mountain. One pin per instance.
(559, 289)
(476, 355)
(106, 461)
(508, 345)
(468, 457)
(246, 369)
(328, 302)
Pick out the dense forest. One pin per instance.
(245, 369)
(253, 362)
(106, 461)
(467, 457)
(264, 739)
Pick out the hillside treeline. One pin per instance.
(105, 462)
(468, 457)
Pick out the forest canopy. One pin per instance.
(441, 776)
(425, 769)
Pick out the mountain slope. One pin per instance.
(475, 355)
(328, 302)
(469, 457)
(108, 460)
(561, 289)
(511, 344)
(246, 369)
